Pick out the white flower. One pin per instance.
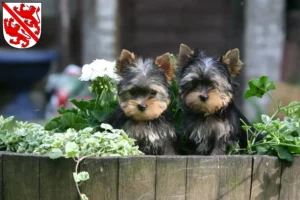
(86, 73)
(99, 68)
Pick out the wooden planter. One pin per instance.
(26, 177)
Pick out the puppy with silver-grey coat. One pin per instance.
(144, 94)
(211, 120)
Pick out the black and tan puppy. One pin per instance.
(144, 95)
(211, 120)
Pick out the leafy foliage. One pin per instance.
(87, 113)
(32, 138)
(175, 106)
(259, 87)
(273, 136)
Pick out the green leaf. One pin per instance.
(246, 128)
(82, 104)
(261, 150)
(53, 124)
(62, 110)
(55, 153)
(76, 177)
(106, 126)
(83, 197)
(283, 153)
(83, 176)
(265, 118)
(102, 115)
(289, 138)
(259, 87)
(67, 120)
(295, 133)
(72, 149)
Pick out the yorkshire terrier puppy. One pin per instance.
(211, 120)
(144, 95)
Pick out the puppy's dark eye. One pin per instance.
(194, 83)
(132, 92)
(152, 94)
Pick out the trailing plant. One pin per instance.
(273, 136)
(31, 138)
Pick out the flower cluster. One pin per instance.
(99, 68)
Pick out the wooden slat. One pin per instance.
(290, 180)
(202, 178)
(234, 177)
(137, 178)
(218, 177)
(265, 178)
(171, 177)
(103, 182)
(20, 177)
(56, 179)
(1, 185)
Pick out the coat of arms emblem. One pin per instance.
(22, 24)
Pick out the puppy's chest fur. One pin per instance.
(205, 132)
(153, 137)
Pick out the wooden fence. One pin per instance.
(26, 177)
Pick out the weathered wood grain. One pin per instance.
(290, 180)
(20, 177)
(137, 178)
(1, 191)
(103, 182)
(202, 178)
(56, 179)
(170, 177)
(234, 177)
(265, 178)
(218, 177)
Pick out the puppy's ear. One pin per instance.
(166, 63)
(126, 59)
(232, 60)
(185, 53)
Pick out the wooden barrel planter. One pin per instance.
(26, 177)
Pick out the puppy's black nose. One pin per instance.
(142, 107)
(203, 98)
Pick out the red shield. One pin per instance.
(22, 24)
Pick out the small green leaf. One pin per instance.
(284, 154)
(76, 177)
(83, 176)
(55, 153)
(82, 104)
(289, 138)
(295, 134)
(259, 87)
(53, 124)
(62, 110)
(106, 126)
(261, 150)
(72, 149)
(265, 119)
(102, 115)
(83, 197)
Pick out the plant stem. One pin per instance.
(97, 101)
(290, 106)
(273, 100)
(99, 98)
(76, 171)
(274, 143)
